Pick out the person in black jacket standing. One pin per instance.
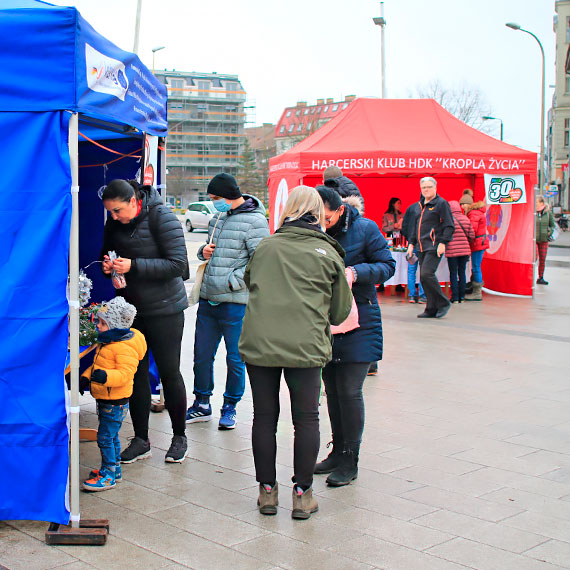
(371, 263)
(433, 229)
(149, 242)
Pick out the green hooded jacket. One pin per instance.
(544, 224)
(297, 289)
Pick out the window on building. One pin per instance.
(203, 85)
(291, 127)
(344, 105)
(288, 114)
(319, 109)
(282, 129)
(297, 112)
(325, 109)
(306, 112)
(567, 29)
(299, 127)
(566, 133)
(312, 110)
(178, 83)
(231, 86)
(309, 125)
(175, 105)
(335, 109)
(567, 84)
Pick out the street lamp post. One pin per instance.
(517, 27)
(488, 118)
(381, 21)
(154, 50)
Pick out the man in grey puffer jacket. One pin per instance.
(233, 236)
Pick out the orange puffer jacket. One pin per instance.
(120, 361)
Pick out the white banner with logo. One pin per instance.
(505, 189)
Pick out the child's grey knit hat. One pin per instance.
(117, 313)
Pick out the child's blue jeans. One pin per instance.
(111, 418)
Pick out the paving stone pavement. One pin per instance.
(465, 463)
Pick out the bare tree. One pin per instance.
(466, 102)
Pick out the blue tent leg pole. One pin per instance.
(92, 532)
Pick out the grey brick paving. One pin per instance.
(465, 463)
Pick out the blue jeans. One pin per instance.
(476, 259)
(412, 270)
(111, 418)
(212, 323)
(457, 266)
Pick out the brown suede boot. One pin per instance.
(267, 501)
(303, 503)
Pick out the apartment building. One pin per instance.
(299, 122)
(558, 135)
(206, 119)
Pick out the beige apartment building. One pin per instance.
(558, 136)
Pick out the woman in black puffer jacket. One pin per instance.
(371, 262)
(149, 242)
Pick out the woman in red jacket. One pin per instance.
(477, 214)
(457, 252)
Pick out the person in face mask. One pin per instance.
(233, 235)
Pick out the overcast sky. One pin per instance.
(300, 50)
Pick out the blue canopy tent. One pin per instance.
(59, 78)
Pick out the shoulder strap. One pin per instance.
(461, 226)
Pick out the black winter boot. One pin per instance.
(329, 464)
(347, 469)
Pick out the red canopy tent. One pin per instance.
(386, 145)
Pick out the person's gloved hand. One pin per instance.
(99, 376)
(83, 384)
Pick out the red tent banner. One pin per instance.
(387, 145)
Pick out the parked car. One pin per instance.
(198, 215)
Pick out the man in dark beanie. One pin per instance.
(233, 235)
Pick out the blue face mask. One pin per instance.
(222, 206)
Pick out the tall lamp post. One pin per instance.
(517, 27)
(154, 50)
(488, 118)
(381, 21)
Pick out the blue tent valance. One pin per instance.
(52, 59)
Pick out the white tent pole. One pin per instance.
(74, 318)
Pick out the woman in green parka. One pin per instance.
(297, 289)
(544, 228)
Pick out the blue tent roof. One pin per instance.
(52, 59)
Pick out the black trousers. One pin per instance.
(429, 262)
(343, 384)
(164, 338)
(304, 386)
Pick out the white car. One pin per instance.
(198, 215)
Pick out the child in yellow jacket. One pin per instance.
(111, 376)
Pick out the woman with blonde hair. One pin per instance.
(297, 289)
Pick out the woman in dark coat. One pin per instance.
(149, 242)
(371, 262)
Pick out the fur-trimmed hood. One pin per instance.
(356, 202)
(476, 206)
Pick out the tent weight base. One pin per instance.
(90, 532)
(156, 406)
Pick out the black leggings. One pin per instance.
(343, 384)
(164, 337)
(304, 386)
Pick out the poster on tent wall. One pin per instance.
(150, 163)
(279, 189)
(508, 262)
(505, 189)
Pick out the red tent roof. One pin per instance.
(380, 136)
